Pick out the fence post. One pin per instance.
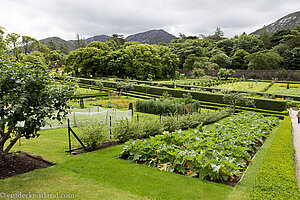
(110, 126)
(131, 108)
(69, 135)
(74, 119)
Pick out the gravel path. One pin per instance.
(296, 141)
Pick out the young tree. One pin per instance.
(28, 97)
(235, 98)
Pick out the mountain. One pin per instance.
(287, 22)
(148, 37)
(151, 37)
(100, 38)
(58, 40)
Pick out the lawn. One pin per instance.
(101, 175)
(244, 86)
(279, 88)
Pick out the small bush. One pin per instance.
(94, 135)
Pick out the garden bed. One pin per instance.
(20, 163)
(220, 152)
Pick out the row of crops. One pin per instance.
(219, 152)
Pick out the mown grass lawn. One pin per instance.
(277, 89)
(244, 86)
(101, 175)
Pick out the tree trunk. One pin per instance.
(2, 155)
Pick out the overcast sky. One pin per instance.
(66, 18)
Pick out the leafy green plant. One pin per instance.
(218, 152)
(94, 135)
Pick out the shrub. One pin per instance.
(168, 106)
(94, 135)
(198, 72)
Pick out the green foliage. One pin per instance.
(221, 59)
(94, 135)
(167, 106)
(198, 72)
(85, 61)
(226, 73)
(276, 178)
(292, 58)
(264, 60)
(100, 45)
(207, 152)
(189, 63)
(238, 59)
(126, 86)
(234, 99)
(28, 95)
(35, 57)
(126, 130)
(250, 43)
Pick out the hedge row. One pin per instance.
(276, 178)
(266, 104)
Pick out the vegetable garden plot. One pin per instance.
(219, 152)
(79, 117)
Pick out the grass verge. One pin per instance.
(276, 177)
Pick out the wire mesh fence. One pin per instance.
(80, 117)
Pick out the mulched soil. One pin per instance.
(20, 163)
(103, 146)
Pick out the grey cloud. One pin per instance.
(65, 18)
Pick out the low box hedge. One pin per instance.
(260, 103)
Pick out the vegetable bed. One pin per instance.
(219, 152)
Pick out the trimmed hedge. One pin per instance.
(276, 178)
(266, 104)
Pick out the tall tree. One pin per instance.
(119, 39)
(12, 40)
(219, 33)
(79, 42)
(265, 37)
(85, 61)
(29, 44)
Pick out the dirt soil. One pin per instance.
(20, 163)
(296, 142)
(103, 146)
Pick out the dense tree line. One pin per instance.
(116, 57)
(260, 52)
(128, 59)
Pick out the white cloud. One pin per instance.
(66, 18)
